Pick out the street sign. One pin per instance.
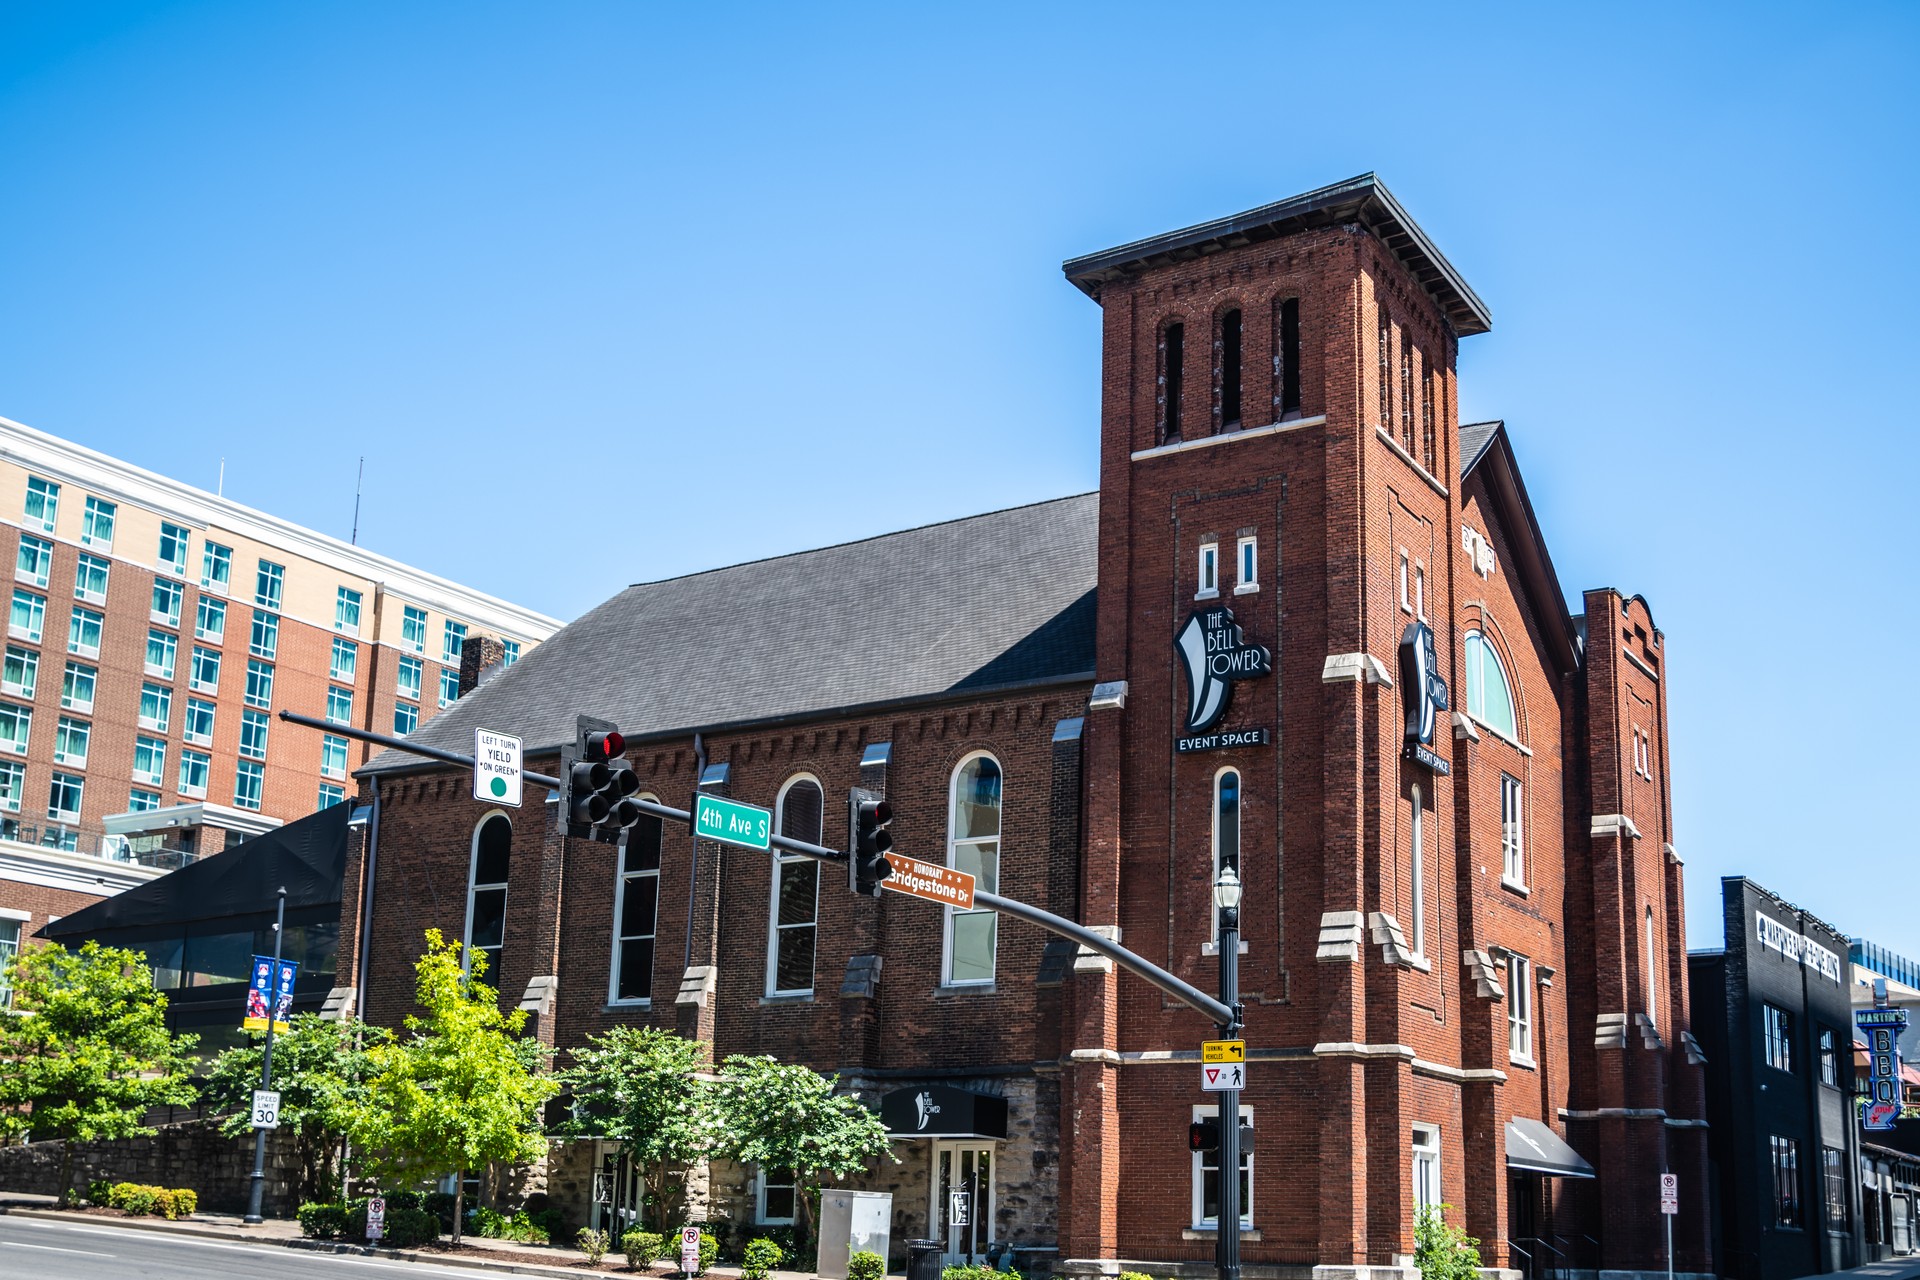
(1223, 1051)
(266, 1108)
(931, 881)
(496, 768)
(689, 1249)
(376, 1217)
(1230, 1075)
(1669, 1193)
(731, 822)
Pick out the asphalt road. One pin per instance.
(34, 1249)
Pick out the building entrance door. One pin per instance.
(616, 1192)
(962, 1209)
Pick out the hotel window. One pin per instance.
(77, 686)
(16, 725)
(43, 503)
(70, 741)
(1426, 1168)
(1206, 1176)
(1385, 359)
(636, 899)
(1829, 1058)
(83, 632)
(1226, 835)
(1786, 1181)
(96, 524)
(198, 728)
(194, 767)
(35, 562)
(510, 653)
(139, 801)
(333, 756)
(168, 596)
(149, 760)
(796, 892)
(450, 643)
(1418, 861)
(346, 660)
(64, 797)
(9, 948)
(487, 895)
(156, 707)
(775, 1197)
(1247, 555)
(973, 846)
(216, 567)
(268, 583)
(1286, 359)
(210, 620)
(22, 672)
(1173, 358)
(331, 795)
(247, 777)
(1227, 351)
(1489, 697)
(259, 684)
(410, 670)
(346, 611)
(406, 718)
(90, 575)
(449, 687)
(13, 782)
(204, 675)
(253, 734)
(1833, 1167)
(264, 642)
(339, 705)
(29, 616)
(1209, 571)
(173, 548)
(413, 628)
(1513, 854)
(1776, 1029)
(162, 649)
(1519, 1009)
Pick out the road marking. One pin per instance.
(54, 1248)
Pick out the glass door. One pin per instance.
(962, 1210)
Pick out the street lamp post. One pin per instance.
(1226, 897)
(266, 1064)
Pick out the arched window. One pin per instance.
(795, 908)
(1226, 830)
(1227, 370)
(1173, 356)
(1653, 984)
(487, 895)
(1386, 373)
(1286, 358)
(973, 845)
(1417, 924)
(1489, 696)
(636, 908)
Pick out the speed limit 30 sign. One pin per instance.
(266, 1108)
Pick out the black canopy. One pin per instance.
(940, 1111)
(1534, 1148)
(308, 858)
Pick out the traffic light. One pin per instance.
(868, 816)
(1203, 1135)
(599, 783)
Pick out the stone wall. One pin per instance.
(177, 1155)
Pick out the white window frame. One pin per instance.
(1425, 1168)
(1417, 864)
(79, 787)
(13, 782)
(195, 790)
(163, 698)
(780, 862)
(174, 591)
(194, 682)
(449, 651)
(254, 770)
(505, 887)
(1653, 971)
(348, 671)
(953, 849)
(155, 777)
(1513, 832)
(169, 645)
(17, 741)
(40, 573)
(76, 628)
(48, 491)
(98, 511)
(332, 744)
(84, 566)
(214, 556)
(449, 687)
(273, 576)
(253, 722)
(188, 733)
(410, 690)
(760, 1192)
(67, 730)
(1246, 565)
(1519, 1010)
(336, 693)
(71, 701)
(1406, 570)
(331, 794)
(265, 671)
(411, 713)
(179, 535)
(345, 598)
(620, 877)
(210, 606)
(29, 672)
(36, 611)
(408, 615)
(1420, 590)
(263, 635)
(1199, 1222)
(1209, 571)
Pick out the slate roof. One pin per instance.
(993, 600)
(1474, 439)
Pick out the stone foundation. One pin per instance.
(190, 1155)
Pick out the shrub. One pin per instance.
(593, 1244)
(406, 1228)
(1443, 1252)
(866, 1265)
(550, 1222)
(642, 1247)
(1135, 1275)
(323, 1221)
(97, 1192)
(186, 1200)
(138, 1198)
(487, 1222)
(760, 1257)
(971, 1273)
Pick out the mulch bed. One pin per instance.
(572, 1260)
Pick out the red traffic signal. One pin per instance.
(1203, 1135)
(607, 745)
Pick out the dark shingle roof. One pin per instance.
(992, 600)
(1474, 439)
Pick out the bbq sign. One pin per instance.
(1214, 653)
(1424, 692)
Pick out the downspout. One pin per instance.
(693, 871)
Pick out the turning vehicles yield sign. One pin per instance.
(1217, 1078)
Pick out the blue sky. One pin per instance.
(728, 281)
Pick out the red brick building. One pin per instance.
(1445, 792)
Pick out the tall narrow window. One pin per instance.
(1209, 570)
(1426, 1167)
(9, 948)
(1429, 454)
(1519, 1009)
(1513, 856)
(1653, 972)
(1226, 832)
(77, 686)
(1833, 1168)
(453, 640)
(487, 894)
(1418, 908)
(1247, 553)
(1228, 354)
(1776, 1026)
(796, 893)
(1406, 578)
(1406, 395)
(634, 908)
(1829, 1058)
(1286, 359)
(1173, 357)
(973, 846)
(1385, 392)
(1786, 1181)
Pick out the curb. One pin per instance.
(439, 1259)
(204, 1231)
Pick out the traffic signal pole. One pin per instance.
(1186, 993)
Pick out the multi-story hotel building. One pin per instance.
(153, 631)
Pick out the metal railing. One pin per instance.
(163, 851)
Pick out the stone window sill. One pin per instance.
(622, 1006)
(1522, 1061)
(1515, 886)
(966, 989)
(1247, 589)
(788, 997)
(1206, 595)
(1210, 1233)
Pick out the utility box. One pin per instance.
(852, 1221)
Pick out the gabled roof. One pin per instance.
(1487, 454)
(1364, 199)
(985, 602)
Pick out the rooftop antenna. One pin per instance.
(355, 537)
(220, 488)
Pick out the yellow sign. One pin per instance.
(1223, 1051)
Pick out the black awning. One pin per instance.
(941, 1111)
(1534, 1148)
(307, 858)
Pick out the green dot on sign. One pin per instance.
(499, 786)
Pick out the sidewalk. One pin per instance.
(1892, 1269)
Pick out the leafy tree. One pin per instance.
(1443, 1252)
(782, 1115)
(642, 1087)
(463, 1090)
(90, 1051)
(320, 1069)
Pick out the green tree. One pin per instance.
(642, 1087)
(89, 1052)
(320, 1069)
(782, 1115)
(462, 1090)
(1440, 1251)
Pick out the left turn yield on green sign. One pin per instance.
(496, 768)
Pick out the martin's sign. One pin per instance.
(1214, 653)
(1424, 693)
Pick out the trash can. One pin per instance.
(923, 1259)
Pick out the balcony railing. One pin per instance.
(165, 851)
